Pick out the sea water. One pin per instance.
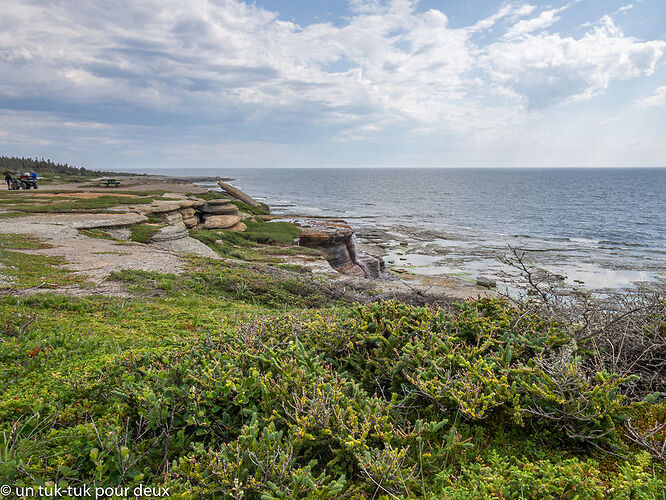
(602, 227)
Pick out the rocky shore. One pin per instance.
(99, 242)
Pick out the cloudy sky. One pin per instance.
(207, 83)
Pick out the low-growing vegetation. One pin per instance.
(142, 233)
(92, 205)
(249, 377)
(278, 232)
(244, 381)
(261, 242)
(262, 209)
(20, 270)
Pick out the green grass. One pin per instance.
(293, 251)
(243, 246)
(261, 242)
(279, 232)
(211, 195)
(142, 233)
(81, 205)
(62, 203)
(24, 270)
(262, 209)
(21, 242)
(250, 283)
(12, 215)
(96, 233)
(290, 267)
(154, 219)
(232, 245)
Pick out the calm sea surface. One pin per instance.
(605, 227)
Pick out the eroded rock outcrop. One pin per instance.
(338, 243)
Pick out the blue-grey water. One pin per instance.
(604, 227)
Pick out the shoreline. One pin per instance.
(455, 221)
(95, 259)
(414, 255)
(431, 253)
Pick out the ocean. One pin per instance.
(601, 228)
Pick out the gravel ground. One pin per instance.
(94, 258)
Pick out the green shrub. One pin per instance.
(213, 391)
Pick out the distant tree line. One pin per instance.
(14, 164)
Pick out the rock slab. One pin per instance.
(238, 194)
(226, 209)
(221, 221)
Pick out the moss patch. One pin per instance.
(142, 233)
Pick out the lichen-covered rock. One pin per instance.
(225, 209)
(188, 212)
(220, 221)
(172, 217)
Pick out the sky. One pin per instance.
(339, 83)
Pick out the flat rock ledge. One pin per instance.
(100, 221)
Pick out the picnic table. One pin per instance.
(110, 183)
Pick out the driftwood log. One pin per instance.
(238, 194)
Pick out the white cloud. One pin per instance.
(543, 20)
(655, 100)
(512, 11)
(547, 69)
(242, 69)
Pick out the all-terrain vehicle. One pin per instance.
(23, 182)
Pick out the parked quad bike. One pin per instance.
(23, 182)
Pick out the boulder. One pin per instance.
(220, 221)
(238, 194)
(338, 243)
(188, 212)
(190, 203)
(190, 222)
(238, 227)
(159, 207)
(486, 282)
(227, 209)
(172, 217)
(170, 233)
(373, 267)
(322, 238)
(194, 203)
